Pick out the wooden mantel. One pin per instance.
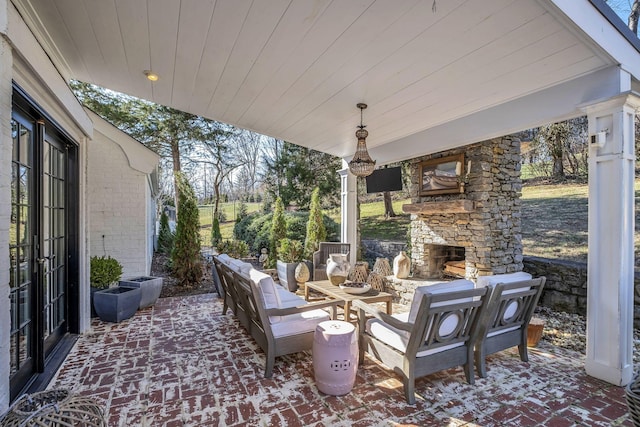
(437, 208)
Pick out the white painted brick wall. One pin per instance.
(5, 203)
(117, 207)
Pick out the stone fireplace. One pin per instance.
(479, 226)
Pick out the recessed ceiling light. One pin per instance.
(151, 75)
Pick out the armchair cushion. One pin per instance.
(240, 267)
(438, 288)
(483, 281)
(398, 339)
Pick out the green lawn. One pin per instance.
(226, 228)
(554, 221)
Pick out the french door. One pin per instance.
(39, 244)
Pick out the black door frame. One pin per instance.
(26, 107)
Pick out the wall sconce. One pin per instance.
(362, 164)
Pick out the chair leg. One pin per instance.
(468, 368)
(481, 363)
(524, 355)
(410, 389)
(268, 370)
(225, 307)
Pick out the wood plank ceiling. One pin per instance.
(296, 69)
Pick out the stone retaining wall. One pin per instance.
(566, 287)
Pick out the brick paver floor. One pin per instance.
(182, 362)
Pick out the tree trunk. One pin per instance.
(634, 15)
(177, 167)
(388, 205)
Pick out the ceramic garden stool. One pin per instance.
(335, 357)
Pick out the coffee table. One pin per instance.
(326, 288)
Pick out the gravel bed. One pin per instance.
(569, 331)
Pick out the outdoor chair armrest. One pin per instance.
(381, 315)
(305, 307)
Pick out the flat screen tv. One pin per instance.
(387, 179)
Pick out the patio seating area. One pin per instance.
(182, 362)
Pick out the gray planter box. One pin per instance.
(287, 275)
(116, 304)
(150, 287)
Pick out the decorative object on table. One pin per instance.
(117, 304)
(362, 164)
(335, 357)
(337, 268)
(355, 287)
(54, 408)
(401, 265)
(302, 273)
(382, 267)
(150, 289)
(359, 272)
(534, 331)
(376, 281)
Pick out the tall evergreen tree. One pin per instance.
(316, 231)
(185, 258)
(278, 231)
(165, 236)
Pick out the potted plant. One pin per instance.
(150, 288)
(289, 256)
(112, 304)
(104, 272)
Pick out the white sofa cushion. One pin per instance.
(225, 259)
(240, 267)
(437, 288)
(294, 324)
(267, 287)
(398, 339)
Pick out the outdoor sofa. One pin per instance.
(279, 321)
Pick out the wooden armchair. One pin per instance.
(280, 330)
(322, 254)
(506, 322)
(438, 333)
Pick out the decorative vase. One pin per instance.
(401, 265)
(302, 273)
(337, 268)
(382, 267)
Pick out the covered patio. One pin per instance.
(436, 76)
(184, 363)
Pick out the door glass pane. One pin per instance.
(20, 247)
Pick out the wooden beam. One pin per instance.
(437, 208)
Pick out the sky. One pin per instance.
(621, 7)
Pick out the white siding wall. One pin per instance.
(117, 198)
(5, 203)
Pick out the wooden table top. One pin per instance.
(326, 288)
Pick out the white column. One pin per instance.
(349, 212)
(611, 231)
